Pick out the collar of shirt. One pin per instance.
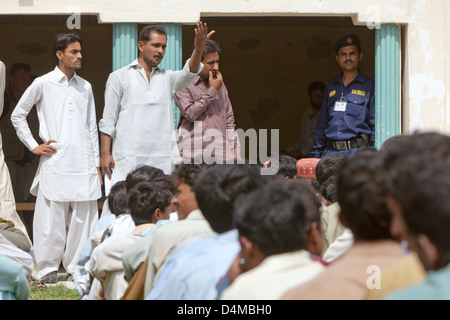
(60, 76)
(198, 80)
(360, 78)
(135, 64)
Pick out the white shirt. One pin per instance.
(340, 246)
(138, 117)
(66, 112)
(276, 275)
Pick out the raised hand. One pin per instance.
(201, 35)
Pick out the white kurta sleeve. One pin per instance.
(93, 131)
(182, 78)
(111, 111)
(19, 116)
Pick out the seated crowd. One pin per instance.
(366, 227)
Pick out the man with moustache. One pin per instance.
(67, 180)
(347, 117)
(137, 125)
(206, 113)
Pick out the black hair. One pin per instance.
(187, 173)
(317, 85)
(276, 218)
(63, 40)
(361, 197)
(327, 167)
(409, 156)
(115, 189)
(144, 199)
(142, 173)
(427, 209)
(287, 166)
(145, 33)
(218, 189)
(211, 46)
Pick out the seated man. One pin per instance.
(193, 272)
(191, 222)
(277, 226)
(148, 202)
(363, 211)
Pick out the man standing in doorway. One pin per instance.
(16, 154)
(137, 124)
(303, 146)
(207, 114)
(347, 117)
(67, 181)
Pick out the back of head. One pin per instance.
(327, 166)
(276, 219)
(187, 173)
(165, 182)
(328, 189)
(219, 187)
(427, 210)
(117, 188)
(287, 166)
(140, 174)
(145, 198)
(361, 196)
(391, 142)
(120, 205)
(409, 156)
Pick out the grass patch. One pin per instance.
(53, 292)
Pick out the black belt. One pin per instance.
(358, 142)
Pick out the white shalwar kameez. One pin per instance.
(138, 117)
(66, 184)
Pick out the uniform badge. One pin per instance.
(359, 92)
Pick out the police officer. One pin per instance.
(347, 118)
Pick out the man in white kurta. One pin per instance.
(137, 127)
(7, 201)
(66, 183)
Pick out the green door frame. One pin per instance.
(387, 83)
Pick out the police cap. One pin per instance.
(346, 41)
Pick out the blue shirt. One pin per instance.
(193, 272)
(358, 117)
(435, 287)
(13, 282)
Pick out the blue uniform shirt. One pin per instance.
(358, 117)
